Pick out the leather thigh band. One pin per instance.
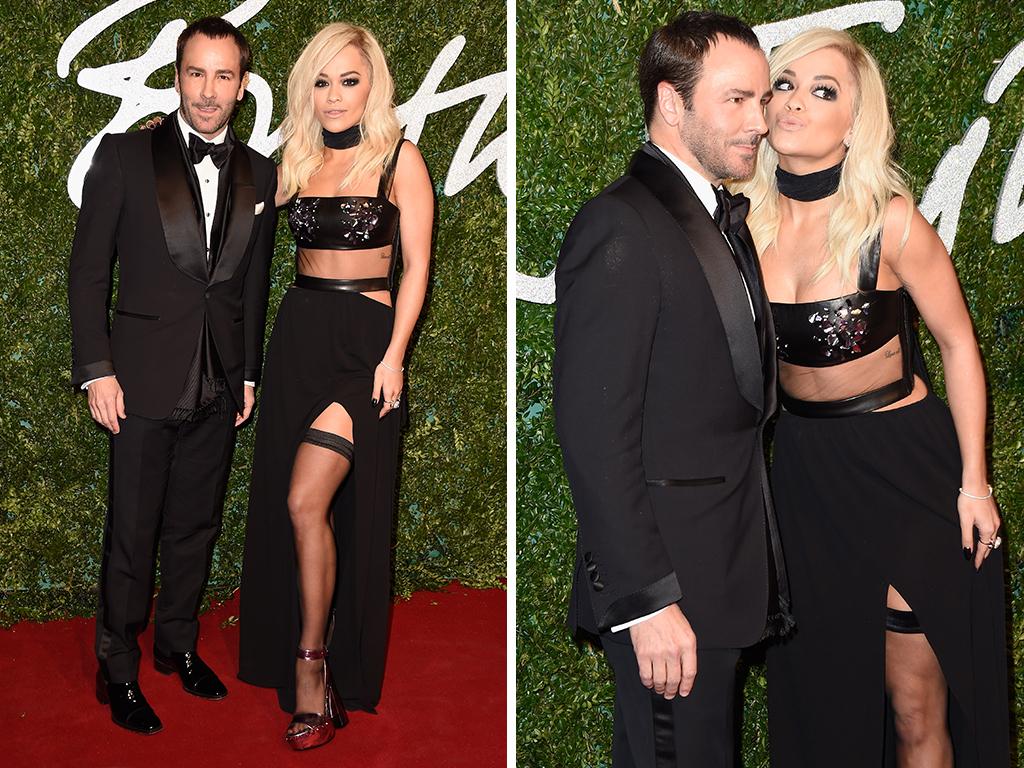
(357, 285)
(904, 622)
(330, 441)
(851, 406)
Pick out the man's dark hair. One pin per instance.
(215, 28)
(675, 53)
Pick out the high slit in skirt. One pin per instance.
(864, 502)
(324, 349)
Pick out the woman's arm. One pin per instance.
(926, 270)
(280, 196)
(414, 196)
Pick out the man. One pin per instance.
(188, 209)
(664, 378)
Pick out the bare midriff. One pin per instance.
(347, 265)
(850, 379)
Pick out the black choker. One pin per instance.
(342, 139)
(809, 186)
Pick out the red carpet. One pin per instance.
(443, 702)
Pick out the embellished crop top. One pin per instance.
(817, 334)
(349, 222)
(820, 334)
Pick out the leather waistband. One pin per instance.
(357, 285)
(851, 406)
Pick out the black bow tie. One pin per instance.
(732, 210)
(198, 149)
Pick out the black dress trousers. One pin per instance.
(167, 484)
(695, 731)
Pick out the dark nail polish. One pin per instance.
(967, 554)
(374, 401)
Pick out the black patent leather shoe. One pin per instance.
(128, 707)
(196, 678)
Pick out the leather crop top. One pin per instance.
(819, 334)
(348, 222)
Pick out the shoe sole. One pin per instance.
(166, 669)
(136, 730)
(301, 746)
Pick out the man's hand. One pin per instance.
(249, 399)
(106, 403)
(666, 652)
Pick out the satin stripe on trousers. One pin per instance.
(167, 483)
(698, 731)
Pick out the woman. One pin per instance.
(896, 575)
(323, 481)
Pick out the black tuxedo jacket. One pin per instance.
(662, 390)
(140, 204)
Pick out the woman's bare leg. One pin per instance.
(918, 691)
(316, 476)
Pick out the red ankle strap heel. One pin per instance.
(317, 729)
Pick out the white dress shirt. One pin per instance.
(207, 173)
(706, 194)
(209, 184)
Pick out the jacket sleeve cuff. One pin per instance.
(90, 371)
(251, 376)
(651, 598)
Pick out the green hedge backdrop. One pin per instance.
(53, 458)
(579, 120)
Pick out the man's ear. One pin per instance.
(242, 87)
(177, 85)
(668, 103)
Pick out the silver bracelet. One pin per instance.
(393, 370)
(979, 498)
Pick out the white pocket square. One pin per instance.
(259, 209)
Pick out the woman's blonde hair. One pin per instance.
(870, 178)
(301, 131)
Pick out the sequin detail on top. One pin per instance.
(343, 223)
(841, 329)
(364, 215)
(819, 334)
(302, 217)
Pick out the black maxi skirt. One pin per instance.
(864, 502)
(324, 349)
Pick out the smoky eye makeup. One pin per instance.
(826, 92)
(320, 83)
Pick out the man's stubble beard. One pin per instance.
(709, 148)
(186, 113)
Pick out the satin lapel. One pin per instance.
(186, 243)
(767, 321)
(239, 216)
(672, 190)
